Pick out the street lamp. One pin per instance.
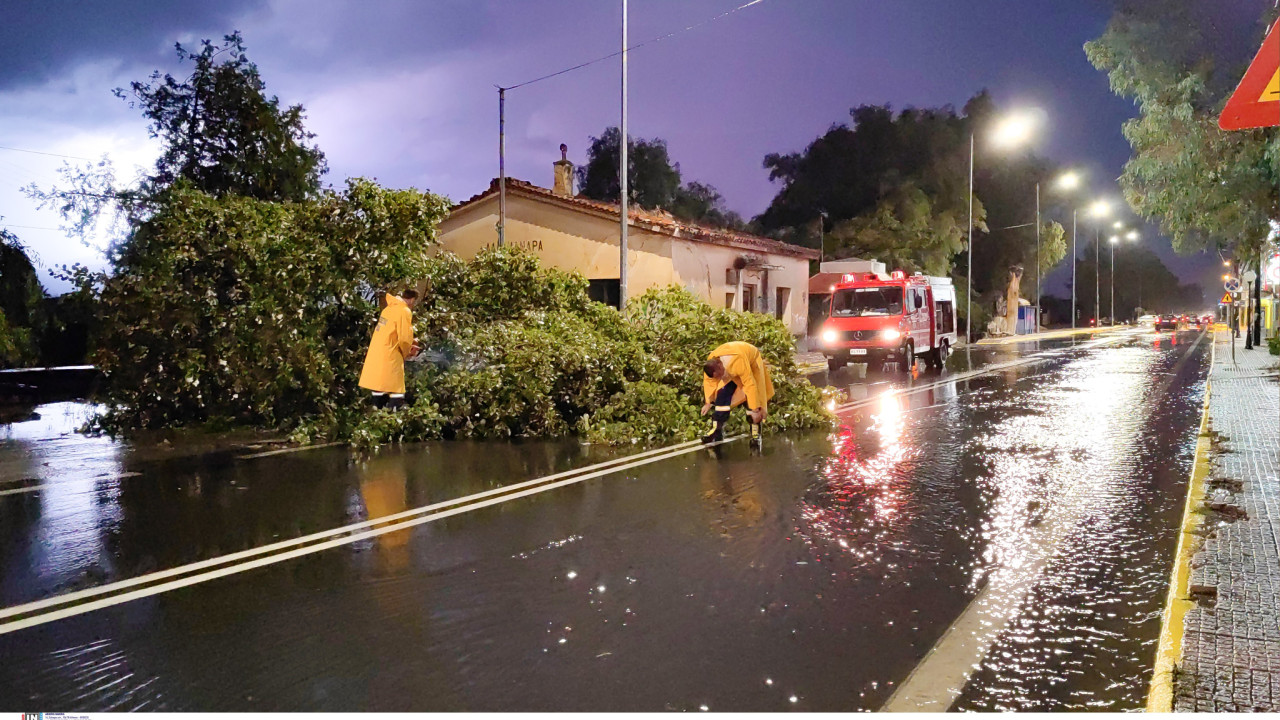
(1115, 240)
(1068, 182)
(1099, 210)
(1010, 131)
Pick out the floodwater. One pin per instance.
(1034, 491)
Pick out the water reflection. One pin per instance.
(384, 491)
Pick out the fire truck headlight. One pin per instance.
(890, 334)
(830, 336)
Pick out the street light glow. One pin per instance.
(1069, 180)
(1100, 208)
(1117, 224)
(1132, 235)
(1114, 239)
(1015, 129)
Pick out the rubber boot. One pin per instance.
(715, 433)
(757, 441)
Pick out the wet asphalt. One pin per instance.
(813, 576)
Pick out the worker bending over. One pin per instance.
(735, 373)
(392, 344)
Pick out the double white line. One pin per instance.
(60, 607)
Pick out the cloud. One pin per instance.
(41, 38)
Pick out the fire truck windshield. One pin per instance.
(856, 302)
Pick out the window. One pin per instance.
(784, 298)
(946, 317)
(858, 302)
(749, 298)
(604, 291)
(728, 300)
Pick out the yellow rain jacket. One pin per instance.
(746, 368)
(392, 341)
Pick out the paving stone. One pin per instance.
(1231, 651)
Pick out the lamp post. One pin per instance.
(1132, 236)
(623, 167)
(968, 290)
(1011, 131)
(1099, 210)
(1114, 239)
(1070, 181)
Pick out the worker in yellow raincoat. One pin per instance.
(735, 373)
(392, 344)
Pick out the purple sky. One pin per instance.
(403, 90)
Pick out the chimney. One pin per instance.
(563, 173)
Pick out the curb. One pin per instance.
(1160, 696)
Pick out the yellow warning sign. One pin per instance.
(1226, 299)
(1272, 92)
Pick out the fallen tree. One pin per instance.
(515, 350)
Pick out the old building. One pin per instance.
(725, 268)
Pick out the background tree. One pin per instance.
(1141, 280)
(701, 203)
(894, 187)
(221, 132)
(22, 317)
(653, 181)
(1207, 188)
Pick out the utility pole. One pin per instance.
(1257, 301)
(502, 165)
(623, 167)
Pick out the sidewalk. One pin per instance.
(1230, 633)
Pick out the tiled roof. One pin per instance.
(659, 222)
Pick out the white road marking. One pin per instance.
(283, 451)
(46, 486)
(540, 485)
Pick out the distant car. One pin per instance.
(1167, 322)
(1147, 320)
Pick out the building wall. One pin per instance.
(705, 270)
(566, 240)
(579, 241)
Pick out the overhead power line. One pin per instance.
(38, 152)
(30, 227)
(650, 41)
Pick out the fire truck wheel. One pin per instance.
(943, 349)
(908, 361)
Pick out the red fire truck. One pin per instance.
(876, 318)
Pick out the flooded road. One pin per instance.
(994, 537)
